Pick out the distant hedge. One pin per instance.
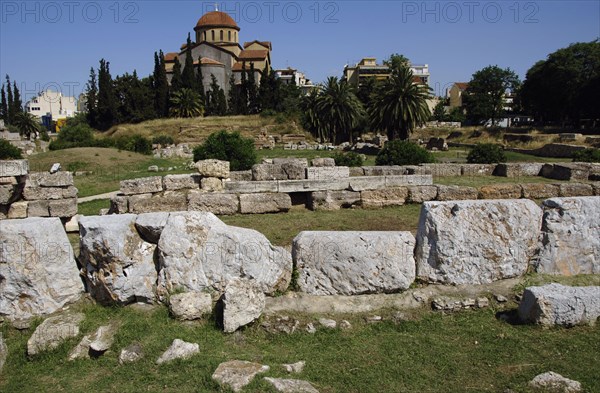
(232, 147)
(486, 153)
(403, 153)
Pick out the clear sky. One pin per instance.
(53, 44)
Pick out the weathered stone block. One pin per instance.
(211, 184)
(240, 175)
(353, 263)
(391, 170)
(14, 168)
(43, 193)
(367, 183)
(327, 173)
(326, 161)
(477, 169)
(539, 190)
(518, 169)
(8, 180)
(251, 186)
(181, 182)
(476, 242)
(334, 200)
(311, 185)
(150, 225)
(570, 171)
(570, 241)
(265, 172)
(384, 197)
(142, 186)
(356, 171)
(119, 205)
(63, 208)
(294, 168)
(265, 203)
(221, 204)
(456, 193)
(556, 304)
(408, 180)
(45, 179)
(213, 168)
(169, 201)
(444, 170)
(38, 209)
(6, 194)
(500, 191)
(420, 194)
(575, 189)
(18, 210)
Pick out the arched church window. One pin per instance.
(229, 36)
(212, 33)
(204, 36)
(221, 35)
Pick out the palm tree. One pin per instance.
(339, 110)
(27, 124)
(308, 105)
(399, 104)
(186, 103)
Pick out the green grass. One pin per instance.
(92, 208)
(432, 352)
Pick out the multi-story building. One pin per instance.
(52, 104)
(290, 75)
(368, 68)
(455, 94)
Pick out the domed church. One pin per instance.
(217, 44)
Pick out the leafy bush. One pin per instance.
(486, 153)
(8, 151)
(44, 135)
(135, 143)
(403, 153)
(348, 159)
(268, 113)
(163, 140)
(587, 155)
(232, 147)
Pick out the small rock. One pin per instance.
(310, 328)
(399, 317)
(72, 225)
(468, 303)
(153, 168)
(237, 373)
(483, 302)
(21, 324)
(81, 350)
(553, 382)
(53, 332)
(3, 352)
(243, 303)
(282, 324)
(103, 338)
(345, 325)
(296, 368)
(55, 168)
(178, 350)
(374, 319)
(500, 298)
(131, 354)
(291, 385)
(328, 323)
(190, 305)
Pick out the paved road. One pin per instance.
(96, 197)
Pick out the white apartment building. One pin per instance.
(52, 103)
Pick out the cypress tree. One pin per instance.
(268, 91)
(200, 81)
(92, 99)
(253, 104)
(3, 105)
(176, 82)
(17, 103)
(234, 96)
(188, 79)
(107, 113)
(10, 108)
(161, 86)
(243, 105)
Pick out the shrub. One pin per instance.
(486, 153)
(44, 135)
(232, 147)
(8, 151)
(163, 140)
(268, 113)
(348, 159)
(79, 133)
(135, 143)
(403, 153)
(587, 155)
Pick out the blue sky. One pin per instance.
(53, 44)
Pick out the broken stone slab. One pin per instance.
(500, 191)
(119, 205)
(45, 179)
(295, 368)
(575, 189)
(220, 204)
(169, 201)
(476, 242)
(53, 332)
(48, 193)
(38, 271)
(213, 168)
(179, 349)
(569, 171)
(265, 203)
(131, 353)
(334, 200)
(199, 252)
(190, 306)
(327, 173)
(395, 196)
(268, 172)
(119, 264)
(570, 239)
(95, 344)
(554, 382)
(14, 168)
(81, 350)
(556, 304)
(150, 225)
(64, 208)
(328, 323)
(294, 168)
(367, 183)
(456, 193)
(250, 186)
(354, 262)
(387, 170)
(141, 186)
(291, 385)
(181, 182)
(408, 180)
(238, 373)
(443, 170)
(420, 194)
(243, 303)
(288, 186)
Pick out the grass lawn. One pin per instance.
(92, 208)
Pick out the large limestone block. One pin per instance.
(391, 170)
(38, 209)
(38, 272)
(119, 263)
(46, 179)
(476, 242)
(456, 193)
(265, 172)
(211, 184)
(213, 168)
(477, 169)
(539, 190)
(181, 182)
(142, 186)
(222, 204)
(119, 205)
(265, 203)
(18, 210)
(420, 194)
(14, 168)
(500, 191)
(243, 303)
(385, 197)
(240, 175)
(575, 190)
(48, 193)
(197, 251)
(556, 304)
(353, 263)
(169, 201)
(294, 168)
(327, 173)
(570, 240)
(334, 200)
(63, 208)
(518, 169)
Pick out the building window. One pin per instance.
(212, 33)
(235, 35)
(229, 36)
(221, 36)
(204, 36)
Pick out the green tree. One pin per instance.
(92, 99)
(17, 102)
(232, 147)
(160, 86)
(186, 103)
(188, 78)
(217, 105)
(243, 107)
(8, 151)
(133, 99)
(485, 96)
(253, 102)
(400, 152)
(27, 124)
(268, 90)
(234, 97)
(200, 81)
(10, 105)
(339, 110)
(3, 105)
(486, 153)
(564, 86)
(439, 111)
(176, 82)
(107, 111)
(397, 61)
(310, 115)
(399, 105)
(366, 90)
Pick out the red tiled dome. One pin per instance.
(216, 19)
